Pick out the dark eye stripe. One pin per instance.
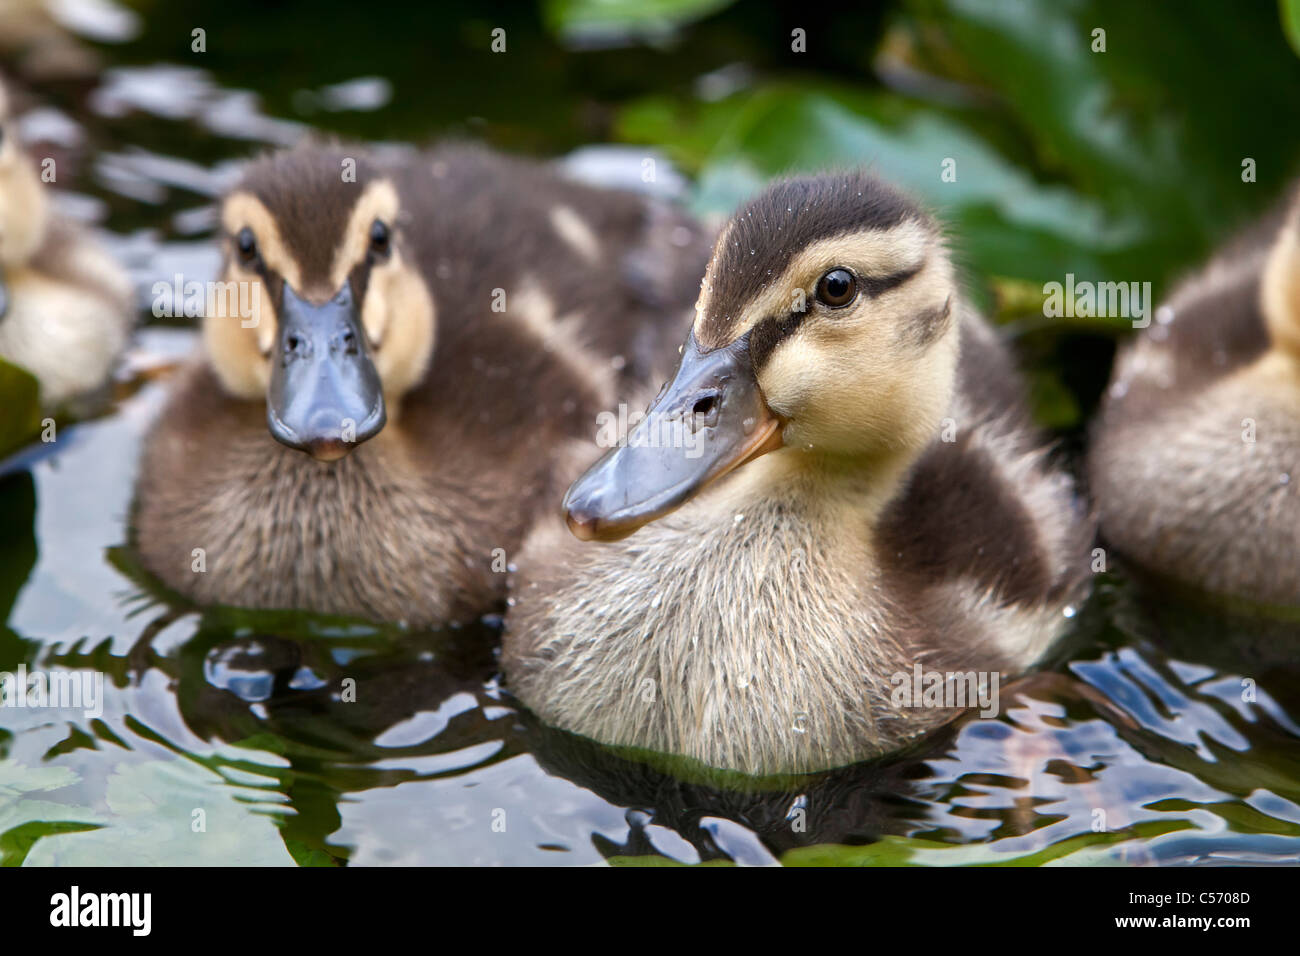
(765, 335)
(877, 285)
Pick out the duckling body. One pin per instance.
(65, 305)
(884, 504)
(481, 320)
(1196, 452)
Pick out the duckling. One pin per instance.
(66, 307)
(398, 345)
(1195, 456)
(840, 484)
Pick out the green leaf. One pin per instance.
(17, 842)
(1290, 12)
(1141, 124)
(579, 20)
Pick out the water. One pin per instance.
(1159, 734)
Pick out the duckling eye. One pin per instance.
(837, 288)
(379, 236)
(246, 244)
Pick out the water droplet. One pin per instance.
(1069, 610)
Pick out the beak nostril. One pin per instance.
(292, 343)
(705, 411)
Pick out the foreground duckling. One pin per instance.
(1196, 453)
(839, 484)
(65, 305)
(399, 347)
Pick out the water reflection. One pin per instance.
(323, 741)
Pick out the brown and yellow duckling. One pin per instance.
(850, 487)
(432, 328)
(66, 309)
(1195, 457)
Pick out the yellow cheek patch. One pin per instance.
(398, 315)
(236, 347)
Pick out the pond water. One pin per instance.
(1159, 733)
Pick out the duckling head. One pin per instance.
(24, 207)
(322, 311)
(824, 331)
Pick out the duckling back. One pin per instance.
(1196, 451)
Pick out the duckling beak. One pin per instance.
(325, 396)
(710, 420)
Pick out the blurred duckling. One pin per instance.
(66, 307)
(374, 436)
(839, 485)
(1195, 457)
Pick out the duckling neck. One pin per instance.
(819, 484)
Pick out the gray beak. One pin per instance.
(325, 396)
(710, 420)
